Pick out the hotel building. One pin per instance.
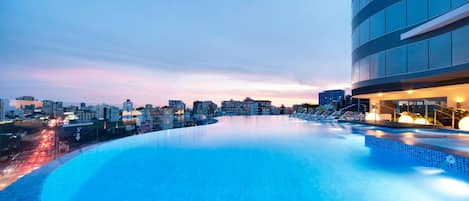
(411, 55)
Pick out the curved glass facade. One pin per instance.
(379, 52)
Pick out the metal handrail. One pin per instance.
(452, 115)
(350, 106)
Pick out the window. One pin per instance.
(355, 6)
(395, 17)
(365, 69)
(364, 31)
(417, 11)
(377, 25)
(377, 65)
(355, 72)
(417, 56)
(396, 62)
(363, 3)
(461, 46)
(355, 38)
(438, 7)
(439, 49)
(457, 3)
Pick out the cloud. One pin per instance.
(155, 50)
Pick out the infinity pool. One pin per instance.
(247, 158)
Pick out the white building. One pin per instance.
(128, 106)
(107, 112)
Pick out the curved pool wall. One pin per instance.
(239, 158)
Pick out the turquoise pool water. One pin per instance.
(271, 158)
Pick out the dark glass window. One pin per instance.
(365, 68)
(364, 31)
(438, 7)
(356, 72)
(363, 3)
(461, 46)
(377, 25)
(457, 3)
(439, 49)
(396, 61)
(417, 11)
(395, 17)
(355, 6)
(377, 65)
(417, 56)
(355, 38)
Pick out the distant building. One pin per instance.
(107, 112)
(22, 102)
(26, 98)
(264, 107)
(331, 97)
(128, 106)
(248, 106)
(166, 118)
(178, 106)
(231, 107)
(204, 109)
(71, 108)
(3, 106)
(82, 106)
(86, 115)
(52, 108)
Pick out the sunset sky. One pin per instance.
(151, 50)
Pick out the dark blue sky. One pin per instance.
(151, 50)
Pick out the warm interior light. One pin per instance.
(372, 116)
(459, 99)
(464, 124)
(410, 91)
(380, 94)
(405, 119)
(421, 121)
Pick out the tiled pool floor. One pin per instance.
(450, 143)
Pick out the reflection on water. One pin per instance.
(248, 158)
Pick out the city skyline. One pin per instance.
(189, 51)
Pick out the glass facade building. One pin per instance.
(402, 45)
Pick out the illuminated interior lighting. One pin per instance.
(422, 121)
(464, 124)
(405, 119)
(459, 99)
(380, 94)
(371, 116)
(410, 91)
